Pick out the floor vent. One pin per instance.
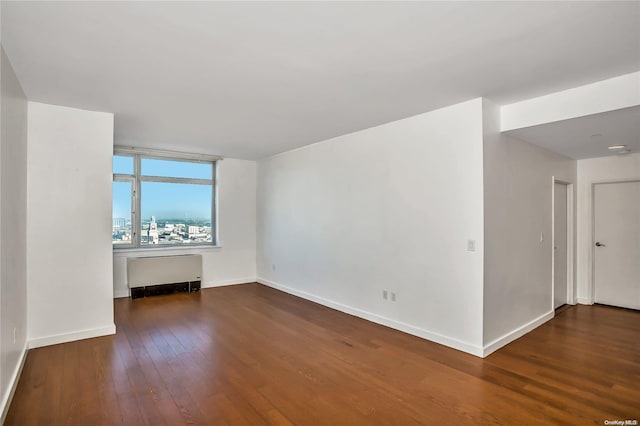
(155, 290)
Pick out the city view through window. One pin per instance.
(164, 231)
(176, 202)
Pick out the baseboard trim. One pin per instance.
(70, 337)
(515, 334)
(585, 301)
(378, 319)
(120, 294)
(234, 281)
(13, 384)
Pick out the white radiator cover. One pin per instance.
(147, 271)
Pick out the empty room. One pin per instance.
(309, 212)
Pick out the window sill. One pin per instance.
(164, 251)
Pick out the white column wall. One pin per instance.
(518, 179)
(69, 259)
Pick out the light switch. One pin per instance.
(471, 245)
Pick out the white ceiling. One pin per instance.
(250, 79)
(588, 136)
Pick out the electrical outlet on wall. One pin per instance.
(393, 296)
(385, 294)
(471, 245)
(273, 266)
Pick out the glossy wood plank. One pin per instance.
(249, 355)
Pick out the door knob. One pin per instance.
(599, 244)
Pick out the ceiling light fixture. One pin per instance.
(614, 147)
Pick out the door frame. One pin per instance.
(571, 241)
(591, 290)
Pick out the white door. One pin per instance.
(617, 244)
(560, 245)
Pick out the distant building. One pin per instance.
(153, 231)
(119, 222)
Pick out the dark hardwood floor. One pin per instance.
(252, 355)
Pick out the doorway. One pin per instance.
(616, 245)
(560, 244)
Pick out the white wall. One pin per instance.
(590, 171)
(518, 208)
(390, 207)
(69, 258)
(235, 260)
(13, 202)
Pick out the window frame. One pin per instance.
(137, 178)
(120, 177)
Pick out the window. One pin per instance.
(160, 200)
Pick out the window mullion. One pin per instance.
(214, 205)
(189, 181)
(136, 201)
(131, 181)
